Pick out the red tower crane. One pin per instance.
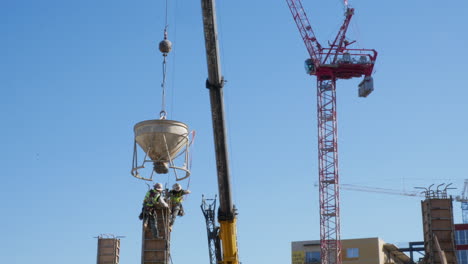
(328, 64)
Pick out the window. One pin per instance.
(352, 252)
(461, 237)
(462, 256)
(312, 257)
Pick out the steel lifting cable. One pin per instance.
(188, 185)
(163, 113)
(167, 183)
(165, 15)
(165, 47)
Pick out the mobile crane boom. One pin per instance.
(215, 83)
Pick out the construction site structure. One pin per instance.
(463, 199)
(161, 146)
(227, 214)
(208, 208)
(414, 247)
(461, 241)
(372, 250)
(108, 251)
(156, 250)
(372, 189)
(438, 227)
(329, 64)
(163, 143)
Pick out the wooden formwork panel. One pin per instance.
(438, 222)
(440, 213)
(441, 225)
(156, 250)
(450, 258)
(152, 244)
(154, 256)
(444, 203)
(107, 242)
(108, 251)
(107, 260)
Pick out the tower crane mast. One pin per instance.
(329, 64)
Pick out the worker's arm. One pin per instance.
(163, 203)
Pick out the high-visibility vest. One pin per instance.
(152, 198)
(177, 196)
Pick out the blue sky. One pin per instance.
(76, 76)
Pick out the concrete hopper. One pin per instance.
(161, 139)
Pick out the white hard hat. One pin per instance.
(158, 187)
(177, 187)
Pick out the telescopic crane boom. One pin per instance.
(215, 83)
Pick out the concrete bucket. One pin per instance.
(161, 140)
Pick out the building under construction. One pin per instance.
(461, 241)
(162, 141)
(439, 245)
(108, 249)
(156, 250)
(362, 251)
(438, 227)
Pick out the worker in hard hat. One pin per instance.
(154, 196)
(153, 200)
(176, 196)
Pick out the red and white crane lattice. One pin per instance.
(329, 64)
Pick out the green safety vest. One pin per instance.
(152, 198)
(177, 196)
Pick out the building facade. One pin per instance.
(439, 230)
(354, 251)
(461, 241)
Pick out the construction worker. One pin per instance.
(153, 199)
(153, 196)
(176, 196)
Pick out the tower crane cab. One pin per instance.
(309, 66)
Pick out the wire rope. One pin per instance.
(164, 47)
(174, 58)
(163, 86)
